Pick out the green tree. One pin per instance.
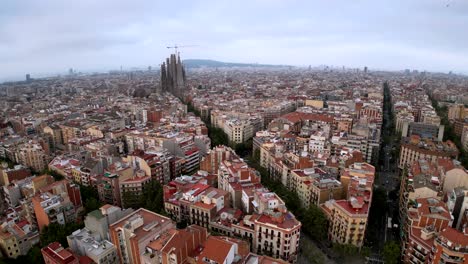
(346, 249)
(376, 215)
(90, 198)
(57, 233)
(391, 252)
(256, 156)
(154, 197)
(91, 204)
(217, 136)
(244, 149)
(315, 223)
(132, 199)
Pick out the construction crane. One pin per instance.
(175, 47)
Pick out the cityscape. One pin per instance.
(204, 161)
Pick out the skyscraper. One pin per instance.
(173, 76)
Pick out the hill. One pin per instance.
(199, 63)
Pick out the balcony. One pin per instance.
(451, 259)
(419, 256)
(415, 261)
(420, 250)
(452, 248)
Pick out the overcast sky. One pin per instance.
(42, 36)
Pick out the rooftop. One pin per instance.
(215, 249)
(141, 221)
(58, 253)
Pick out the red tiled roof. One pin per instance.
(454, 236)
(199, 187)
(347, 206)
(295, 117)
(215, 249)
(204, 206)
(415, 234)
(59, 254)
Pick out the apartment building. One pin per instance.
(238, 131)
(18, 172)
(318, 142)
(414, 148)
(15, 239)
(108, 189)
(430, 117)
(359, 170)
(176, 246)
(67, 167)
(459, 125)
(314, 186)
(425, 219)
(133, 233)
(348, 218)
(84, 242)
(210, 162)
(423, 130)
(277, 234)
(55, 136)
(197, 203)
(54, 253)
(212, 200)
(71, 130)
(451, 246)
(59, 202)
(402, 118)
(185, 148)
(33, 156)
(421, 180)
(367, 143)
(98, 221)
(457, 111)
(457, 203)
(123, 182)
(464, 138)
(235, 175)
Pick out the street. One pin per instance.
(388, 173)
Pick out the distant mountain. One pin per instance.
(198, 63)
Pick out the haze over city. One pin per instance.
(48, 37)
(234, 132)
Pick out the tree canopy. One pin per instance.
(391, 252)
(90, 198)
(56, 232)
(151, 199)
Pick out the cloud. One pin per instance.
(51, 36)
